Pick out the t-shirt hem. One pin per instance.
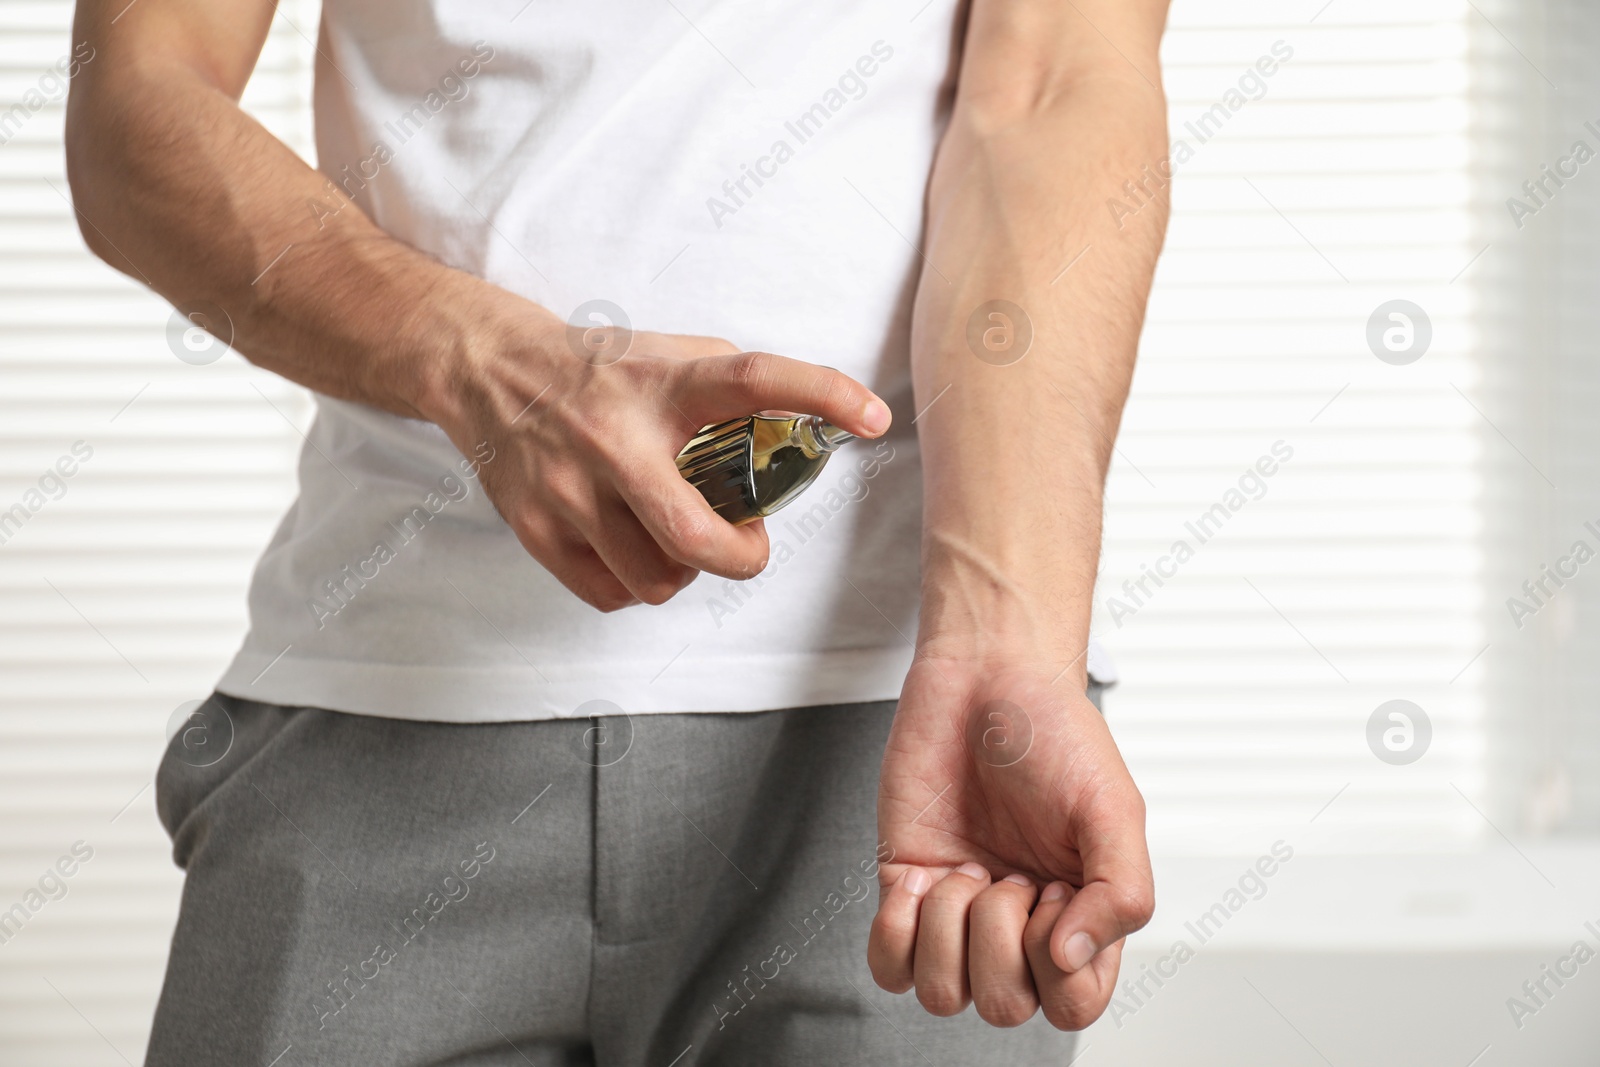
(500, 693)
(508, 694)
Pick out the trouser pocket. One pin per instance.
(220, 736)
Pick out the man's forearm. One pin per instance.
(1015, 449)
(1023, 338)
(178, 187)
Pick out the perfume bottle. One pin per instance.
(750, 467)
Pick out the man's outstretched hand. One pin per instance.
(1018, 860)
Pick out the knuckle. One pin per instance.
(750, 371)
(953, 896)
(529, 527)
(898, 926)
(1135, 802)
(1069, 1014)
(890, 975)
(889, 978)
(656, 594)
(689, 533)
(665, 585)
(832, 389)
(610, 600)
(940, 999)
(1001, 900)
(598, 587)
(1036, 940)
(593, 430)
(566, 490)
(1005, 1009)
(1134, 904)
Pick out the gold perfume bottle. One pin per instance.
(750, 467)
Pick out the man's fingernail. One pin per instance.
(1018, 879)
(1079, 950)
(974, 870)
(1053, 891)
(875, 417)
(917, 881)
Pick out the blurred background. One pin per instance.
(1374, 665)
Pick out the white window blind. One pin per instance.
(122, 594)
(1336, 184)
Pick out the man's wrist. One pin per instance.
(1046, 636)
(460, 337)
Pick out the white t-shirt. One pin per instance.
(754, 172)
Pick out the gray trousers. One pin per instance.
(660, 890)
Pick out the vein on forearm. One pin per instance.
(1015, 455)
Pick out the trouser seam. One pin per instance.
(594, 888)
